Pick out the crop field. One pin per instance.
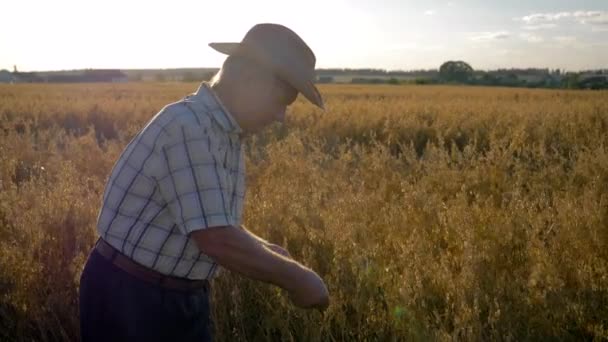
(433, 213)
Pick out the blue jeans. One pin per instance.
(115, 306)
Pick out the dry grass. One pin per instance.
(438, 213)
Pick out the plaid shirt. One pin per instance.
(184, 171)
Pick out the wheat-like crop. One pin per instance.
(432, 212)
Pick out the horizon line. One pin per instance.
(326, 68)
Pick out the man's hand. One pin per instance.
(278, 249)
(310, 293)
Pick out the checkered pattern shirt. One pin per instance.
(184, 171)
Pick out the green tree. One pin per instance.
(571, 81)
(456, 71)
(593, 82)
(489, 79)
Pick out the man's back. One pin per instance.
(188, 150)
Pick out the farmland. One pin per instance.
(432, 212)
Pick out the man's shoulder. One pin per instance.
(179, 115)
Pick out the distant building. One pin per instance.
(6, 76)
(325, 79)
(27, 77)
(599, 75)
(531, 78)
(102, 75)
(107, 75)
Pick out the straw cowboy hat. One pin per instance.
(281, 50)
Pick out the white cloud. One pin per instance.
(545, 17)
(594, 18)
(539, 27)
(586, 14)
(543, 20)
(489, 36)
(429, 12)
(531, 38)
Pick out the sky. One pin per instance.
(39, 35)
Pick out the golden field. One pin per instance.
(433, 213)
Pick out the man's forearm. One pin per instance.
(255, 237)
(239, 251)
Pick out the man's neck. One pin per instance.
(227, 97)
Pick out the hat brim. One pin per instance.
(225, 48)
(308, 89)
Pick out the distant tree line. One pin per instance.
(450, 72)
(375, 72)
(461, 72)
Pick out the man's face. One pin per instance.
(265, 101)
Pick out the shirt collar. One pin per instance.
(212, 104)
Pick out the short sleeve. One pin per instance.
(193, 181)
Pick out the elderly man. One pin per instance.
(172, 206)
